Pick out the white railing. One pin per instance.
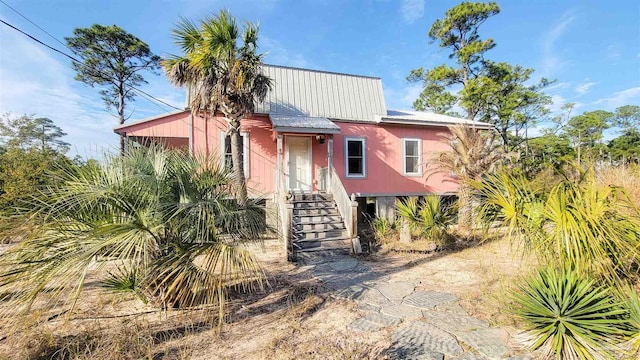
(285, 212)
(347, 206)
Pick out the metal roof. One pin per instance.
(303, 124)
(409, 117)
(314, 93)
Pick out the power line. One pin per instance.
(33, 23)
(80, 62)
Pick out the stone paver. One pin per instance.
(429, 337)
(343, 264)
(488, 342)
(425, 325)
(407, 352)
(373, 322)
(453, 322)
(402, 311)
(428, 299)
(364, 325)
(469, 356)
(396, 291)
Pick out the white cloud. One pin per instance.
(551, 59)
(560, 85)
(584, 88)
(34, 81)
(613, 52)
(402, 99)
(277, 54)
(412, 10)
(629, 96)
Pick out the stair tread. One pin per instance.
(311, 231)
(321, 222)
(338, 238)
(321, 248)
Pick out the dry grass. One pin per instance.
(627, 177)
(293, 318)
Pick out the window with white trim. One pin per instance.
(412, 157)
(355, 157)
(225, 151)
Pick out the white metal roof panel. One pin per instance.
(304, 124)
(410, 117)
(322, 94)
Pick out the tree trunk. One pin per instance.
(238, 165)
(465, 207)
(121, 116)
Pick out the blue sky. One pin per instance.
(591, 47)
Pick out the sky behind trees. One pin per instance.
(592, 48)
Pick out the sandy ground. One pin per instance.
(295, 317)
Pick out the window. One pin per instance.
(225, 150)
(355, 157)
(412, 157)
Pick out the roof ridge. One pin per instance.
(324, 71)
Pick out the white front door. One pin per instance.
(299, 162)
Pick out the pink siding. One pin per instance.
(173, 126)
(384, 161)
(262, 147)
(384, 175)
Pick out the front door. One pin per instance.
(299, 162)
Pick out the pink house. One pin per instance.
(328, 139)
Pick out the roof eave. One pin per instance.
(301, 130)
(152, 118)
(386, 120)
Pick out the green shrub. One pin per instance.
(567, 316)
(427, 218)
(125, 280)
(592, 228)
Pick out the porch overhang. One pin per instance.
(303, 124)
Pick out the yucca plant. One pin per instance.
(169, 215)
(568, 317)
(593, 228)
(632, 301)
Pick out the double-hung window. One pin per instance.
(225, 151)
(355, 157)
(412, 157)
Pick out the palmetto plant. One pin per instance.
(166, 214)
(594, 229)
(222, 76)
(569, 317)
(427, 216)
(473, 153)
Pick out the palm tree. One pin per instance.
(473, 153)
(162, 214)
(221, 75)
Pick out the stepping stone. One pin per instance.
(396, 291)
(351, 293)
(469, 356)
(453, 322)
(408, 352)
(488, 342)
(363, 325)
(373, 322)
(419, 334)
(428, 299)
(368, 307)
(343, 264)
(452, 306)
(363, 294)
(402, 311)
